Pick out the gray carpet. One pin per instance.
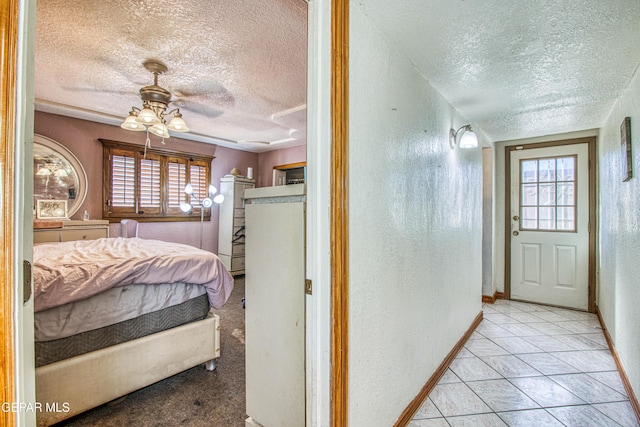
(194, 397)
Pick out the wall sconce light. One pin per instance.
(468, 138)
(207, 202)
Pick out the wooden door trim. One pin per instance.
(591, 142)
(339, 213)
(9, 13)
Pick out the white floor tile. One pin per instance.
(620, 412)
(473, 369)
(501, 395)
(588, 389)
(427, 410)
(510, 366)
(545, 392)
(481, 420)
(547, 363)
(457, 399)
(529, 418)
(485, 347)
(583, 416)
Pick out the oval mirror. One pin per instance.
(57, 174)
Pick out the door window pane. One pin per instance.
(530, 195)
(547, 194)
(529, 217)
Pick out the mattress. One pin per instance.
(112, 306)
(169, 317)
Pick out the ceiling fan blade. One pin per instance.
(97, 90)
(198, 108)
(211, 90)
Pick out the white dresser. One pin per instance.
(73, 230)
(231, 229)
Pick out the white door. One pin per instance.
(550, 225)
(275, 315)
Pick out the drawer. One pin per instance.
(238, 222)
(238, 213)
(87, 234)
(237, 263)
(46, 236)
(237, 249)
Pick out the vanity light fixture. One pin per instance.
(155, 102)
(468, 138)
(207, 202)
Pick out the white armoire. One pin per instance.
(231, 230)
(275, 306)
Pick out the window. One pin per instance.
(151, 187)
(547, 194)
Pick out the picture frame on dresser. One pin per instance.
(52, 209)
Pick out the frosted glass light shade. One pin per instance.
(469, 139)
(148, 117)
(178, 124)
(131, 123)
(185, 207)
(218, 199)
(207, 202)
(188, 189)
(160, 130)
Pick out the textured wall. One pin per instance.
(619, 292)
(81, 137)
(415, 229)
(266, 162)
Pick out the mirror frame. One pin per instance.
(66, 155)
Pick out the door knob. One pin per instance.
(515, 233)
(516, 218)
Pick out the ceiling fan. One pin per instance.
(155, 102)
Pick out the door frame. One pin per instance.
(9, 14)
(591, 142)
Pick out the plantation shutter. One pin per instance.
(148, 185)
(176, 181)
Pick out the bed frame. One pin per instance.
(89, 380)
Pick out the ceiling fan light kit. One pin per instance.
(155, 102)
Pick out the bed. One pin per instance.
(114, 315)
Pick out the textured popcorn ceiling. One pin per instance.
(519, 69)
(237, 69)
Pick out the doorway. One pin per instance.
(550, 223)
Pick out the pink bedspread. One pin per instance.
(71, 271)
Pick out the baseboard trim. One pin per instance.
(633, 399)
(490, 299)
(416, 403)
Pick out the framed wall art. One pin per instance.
(625, 149)
(52, 209)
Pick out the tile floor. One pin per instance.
(530, 365)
